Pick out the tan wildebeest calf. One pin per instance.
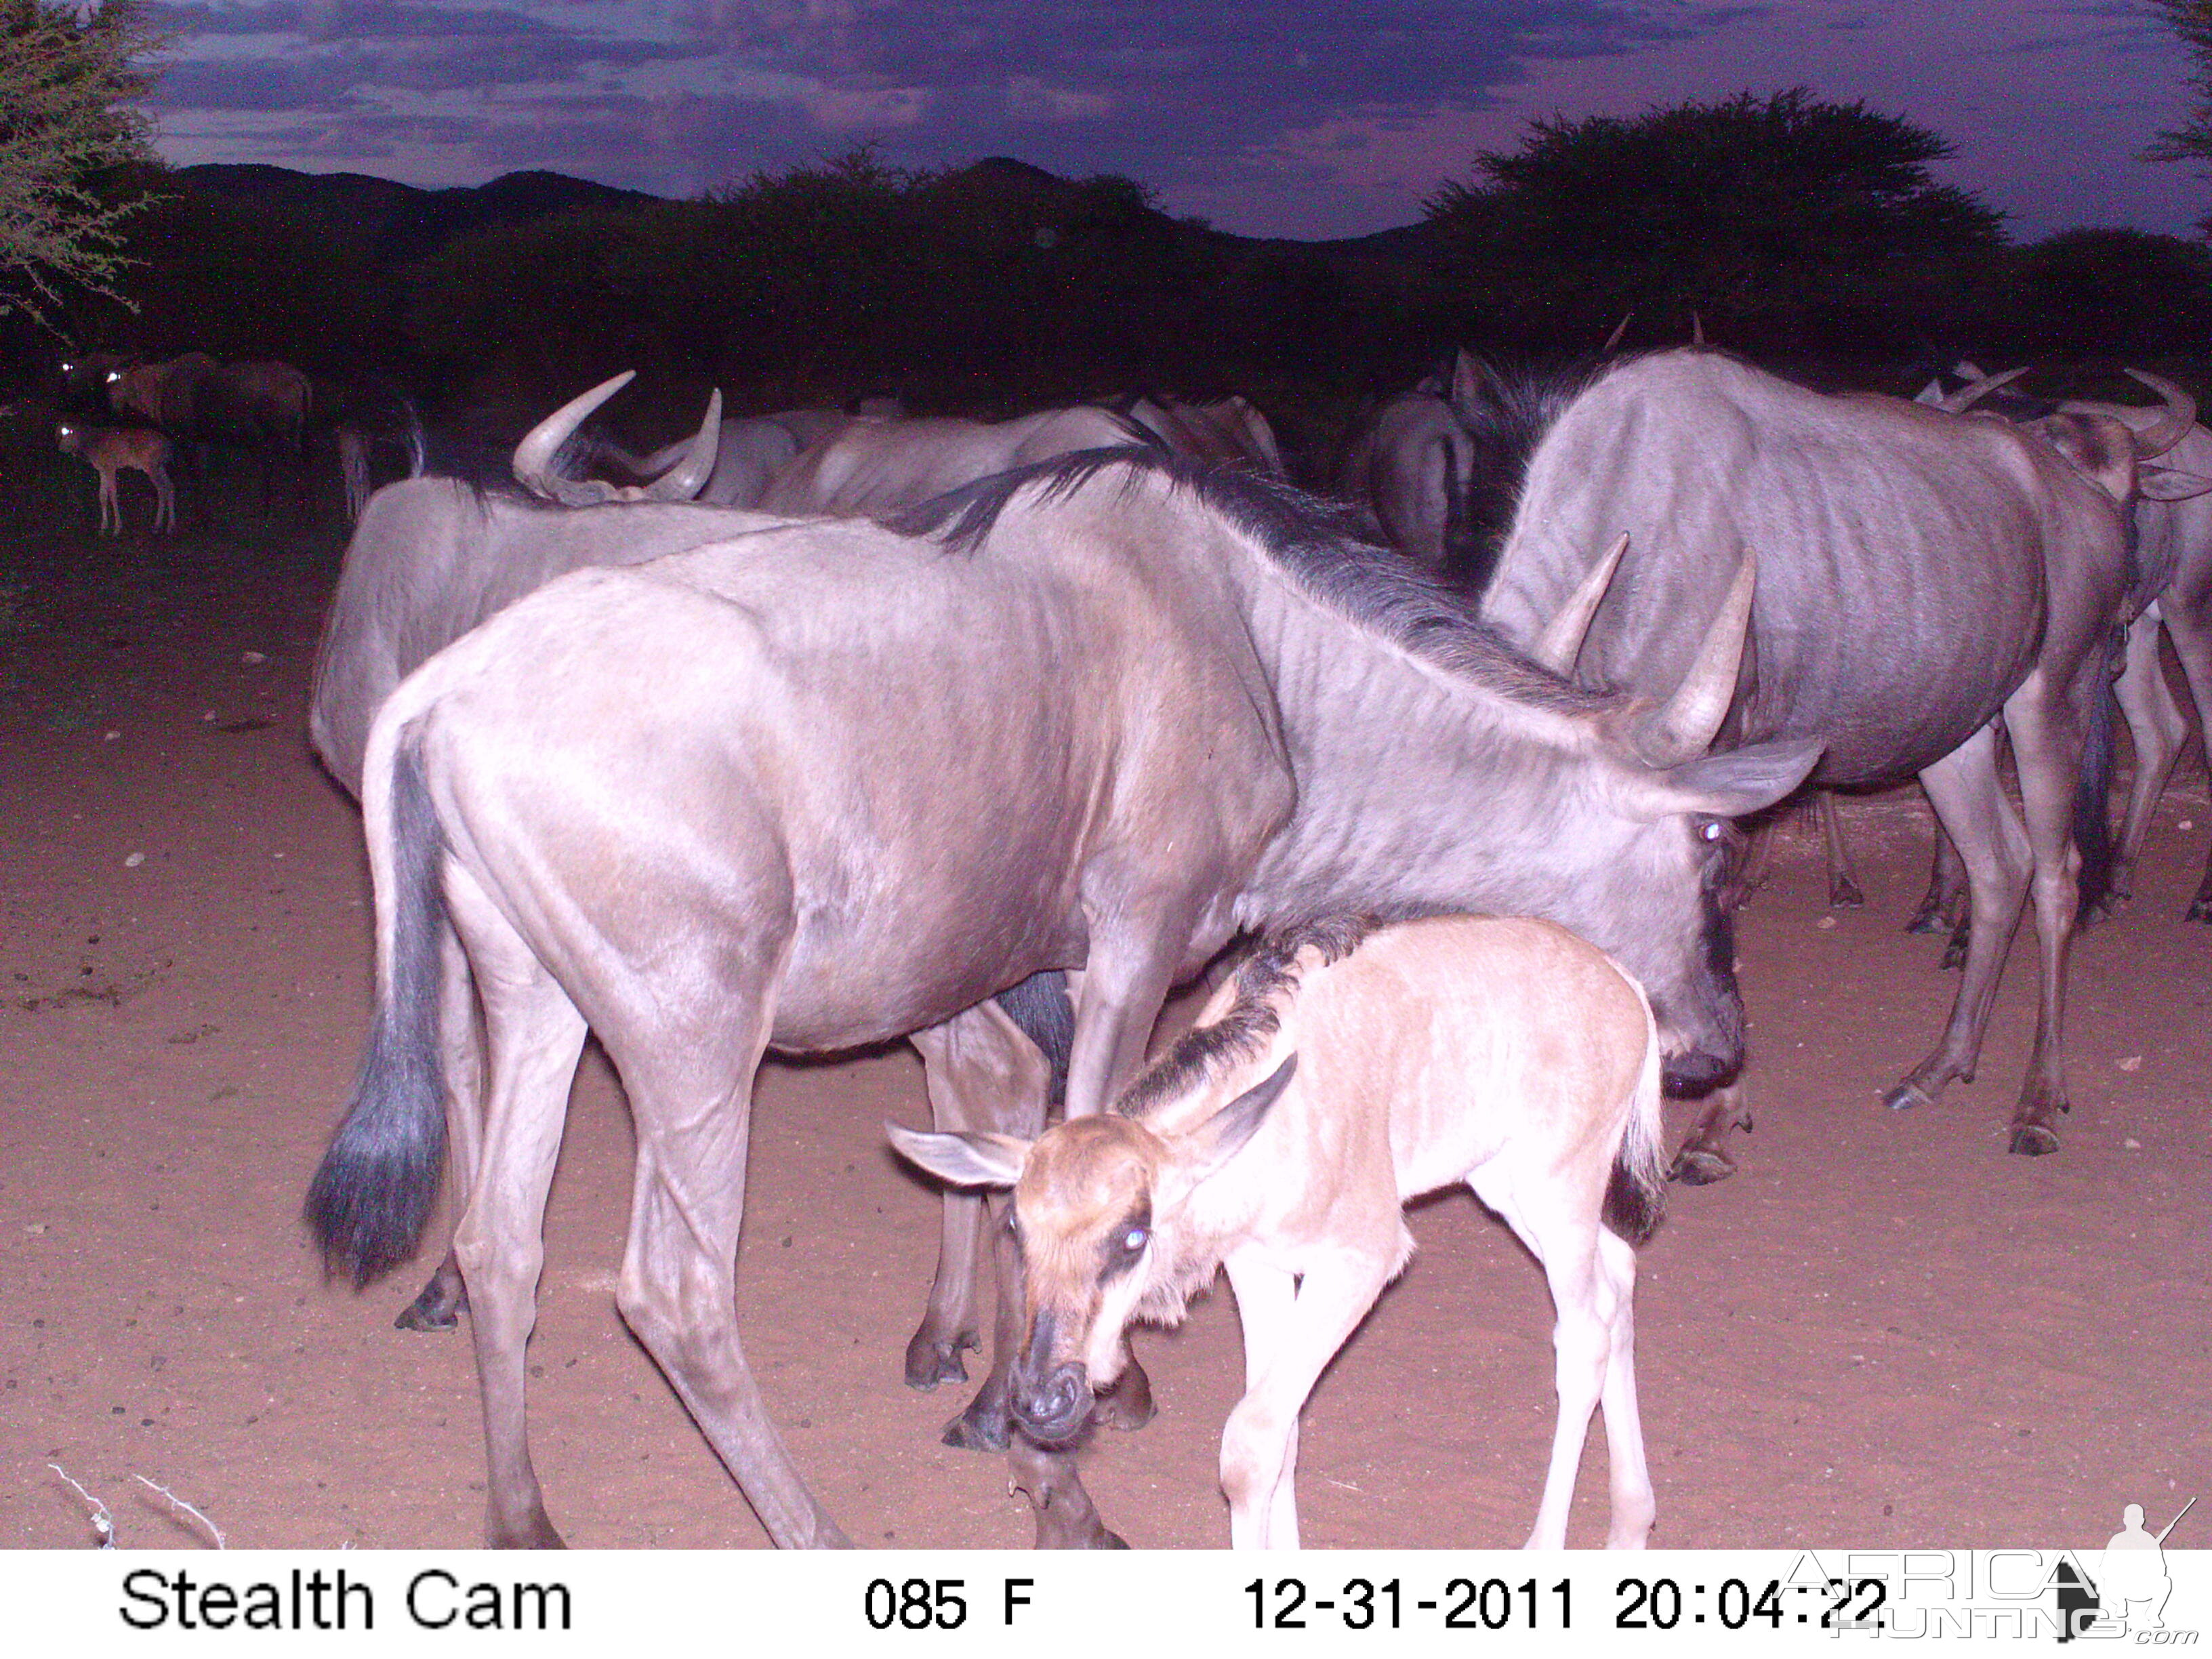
(1342, 1072)
(110, 451)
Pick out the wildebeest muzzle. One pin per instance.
(1054, 1407)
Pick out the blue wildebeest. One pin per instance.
(751, 451)
(2172, 589)
(1101, 714)
(872, 467)
(432, 557)
(1920, 574)
(1437, 466)
(1281, 1140)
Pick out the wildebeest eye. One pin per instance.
(1710, 830)
(1135, 1240)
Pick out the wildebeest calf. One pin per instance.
(1343, 1072)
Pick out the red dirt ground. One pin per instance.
(1883, 1332)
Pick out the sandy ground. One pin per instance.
(1883, 1332)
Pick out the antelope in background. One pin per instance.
(114, 450)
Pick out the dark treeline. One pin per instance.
(1808, 235)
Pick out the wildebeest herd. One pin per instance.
(989, 737)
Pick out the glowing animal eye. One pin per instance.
(1713, 830)
(1134, 1240)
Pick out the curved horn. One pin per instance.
(533, 456)
(2169, 429)
(688, 476)
(1561, 641)
(1612, 340)
(1684, 727)
(1959, 402)
(1697, 330)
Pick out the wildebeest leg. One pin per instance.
(1589, 1295)
(2189, 625)
(534, 1036)
(1266, 1297)
(2047, 738)
(1634, 1506)
(690, 1079)
(1944, 908)
(1704, 1156)
(2157, 725)
(1066, 1517)
(984, 1424)
(1971, 804)
(1259, 1442)
(444, 1298)
(981, 1073)
(1843, 883)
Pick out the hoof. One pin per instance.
(1701, 1166)
(2200, 908)
(1925, 922)
(1905, 1096)
(1843, 894)
(981, 1427)
(431, 1312)
(535, 1533)
(1129, 1403)
(2032, 1140)
(1955, 953)
(929, 1362)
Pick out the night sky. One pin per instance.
(1267, 117)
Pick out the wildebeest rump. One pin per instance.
(740, 799)
(1919, 575)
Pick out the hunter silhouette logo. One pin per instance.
(2130, 1591)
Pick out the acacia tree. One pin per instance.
(69, 79)
(2193, 140)
(1789, 223)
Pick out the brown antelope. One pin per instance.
(109, 451)
(1341, 1073)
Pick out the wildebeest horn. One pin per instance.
(1967, 396)
(1612, 340)
(1683, 726)
(1697, 330)
(533, 456)
(2171, 427)
(1561, 641)
(689, 476)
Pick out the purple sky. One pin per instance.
(1269, 117)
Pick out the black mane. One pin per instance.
(1267, 975)
(1316, 543)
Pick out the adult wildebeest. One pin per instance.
(828, 784)
(433, 557)
(874, 467)
(1341, 1074)
(1437, 466)
(1920, 573)
(2154, 457)
(169, 395)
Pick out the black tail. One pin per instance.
(1636, 1193)
(2092, 810)
(372, 1195)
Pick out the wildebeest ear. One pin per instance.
(1222, 1136)
(1729, 785)
(969, 1160)
(1470, 380)
(2167, 483)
